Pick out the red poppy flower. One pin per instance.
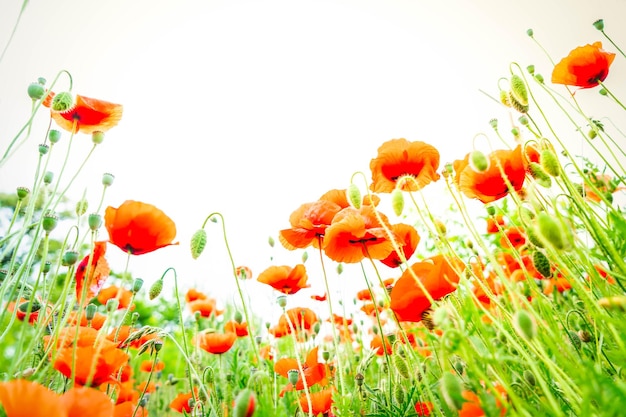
(398, 158)
(439, 275)
(322, 297)
(321, 401)
(93, 365)
(88, 115)
(308, 224)
(127, 409)
(423, 408)
(216, 343)
(489, 186)
(181, 402)
(356, 234)
(240, 329)
(98, 272)
(139, 228)
(284, 278)
(314, 372)
(123, 296)
(24, 398)
(340, 198)
(193, 295)
(147, 366)
(408, 239)
(585, 66)
(206, 307)
(84, 401)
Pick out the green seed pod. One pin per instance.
(50, 221)
(36, 91)
(599, 24)
(530, 32)
(22, 193)
(592, 134)
(238, 317)
(504, 98)
(537, 172)
(550, 162)
(354, 196)
(107, 179)
(155, 289)
(137, 284)
(530, 69)
(519, 90)
(54, 136)
(48, 177)
(198, 242)
(493, 123)
(452, 391)
(112, 305)
(95, 221)
(293, 375)
(97, 137)
(43, 149)
(524, 324)
(539, 78)
(70, 257)
(397, 201)
(478, 161)
(62, 102)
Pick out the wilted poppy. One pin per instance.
(284, 278)
(585, 66)
(439, 275)
(489, 185)
(398, 158)
(98, 273)
(88, 115)
(356, 234)
(139, 228)
(216, 343)
(308, 224)
(407, 238)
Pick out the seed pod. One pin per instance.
(541, 263)
(198, 242)
(478, 162)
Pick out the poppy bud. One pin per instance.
(238, 317)
(137, 284)
(452, 391)
(537, 172)
(270, 241)
(198, 242)
(245, 403)
(22, 193)
(97, 137)
(36, 91)
(603, 91)
(62, 102)
(524, 324)
(90, 311)
(354, 196)
(339, 268)
(504, 98)
(478, 161)
(398, 394)
(531, 235)
(293, 376)
(530, 32)
(514, 103)
(599, 24)
(539, 78)
(530, 69)
(48, 177)
(155, 289)
(50, 221)
(95, 221)
(397, 201)
(402, 367)
(550, 163)
(523, 120)
(552, 232)
(43, 149)
(112, 305)
(282, 301)
(70, 257)
(54, 136)
(529, 377)
(518, 90)
(541, 263)
(81, 207)
(107, 179)
(326, 355)
(305, 256)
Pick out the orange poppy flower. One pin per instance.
(514, 237)
(243, 272)
(193, 295)
(88, 115)
(585, 66)
(314, 371)
(96, 322)
(216, 343)
(423, 408)
(127, 409)
(21, 398)
(139, 228)
(240, 329)
(181, 402)
(439, 276)
(93, 365)
(84, 401)
(98, 272)
(408, 239)
(123, 296)
(489, 186)
(308, 224)
(356, 234)
(340, 198)
(322, 297)
(321, 402)
(147, 366)
(494, 223)
(302, 318)
(398, 158)
(205, 306)
(284, 278)
(472, 406)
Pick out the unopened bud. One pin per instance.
(282, 301)
(62, 102)
(529, 377)
(518, 90)
(305, 256)
(397, 201)
(198, 242)
(107, 179)
(339, 268)
(541, 263)
(238, 317)
(354, 196)
(97, 137)
(54, 136)
(95, 221)
(530, 32)
(155, 289)
(551, 231)
(539, 78)
(245, 403)
(478, 161)
(452, 391)
(530, 69)
(550, 163)
(524, 324)
(541, 176)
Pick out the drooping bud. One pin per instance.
(198, 242)
(155, 289)
(452, 391)
(22, 193)
(359, 378)
(537, 172)
(520, 107)
(397, 201)
(550, 163)
(524, 324)
(519, 90)
(62, 102)
(54, 136)
(478, 161)
(245, 403)
(541, 263)
(552, 232)
(401, 366)
(95, 221)
(354, 196)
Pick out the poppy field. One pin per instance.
(508, 301)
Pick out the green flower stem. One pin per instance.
(305, 384)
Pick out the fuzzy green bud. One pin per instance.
(245, 403)
(155, 289)
(524, 324)
(325, 355)
(551, 232)
(537, 172)
(70, 257)
(520, 107)
(97, 137)
(107, 179)
(599, 24)
(49, 221)
(541, 263)
(198, 242)
(603, 91)
(550, 162)
(397, 201)
(531, 235)
(95, 221)
(478, 161)
(36, 91)
(54, 136)
(305, 256)
(504, 98)
(539, 78)
(519, 90)
(81, 207)
(530, 69)
(452, 391)
(43, 149)
(293, 375)
(529, 377)
(62, 102)
(401, 365)
(354, 196)
(22, 193)
(271, 242)
(339, 268)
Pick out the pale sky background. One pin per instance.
(251, 108)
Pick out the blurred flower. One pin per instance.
(123, 295)
(139, 228)
(585, 66)
(24, 398)
(181, 402)
(340, 198)
(92, 365)
(205, 306)
(321, 402)
(240, 329)
(98, 273)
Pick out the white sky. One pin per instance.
(252, 108)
